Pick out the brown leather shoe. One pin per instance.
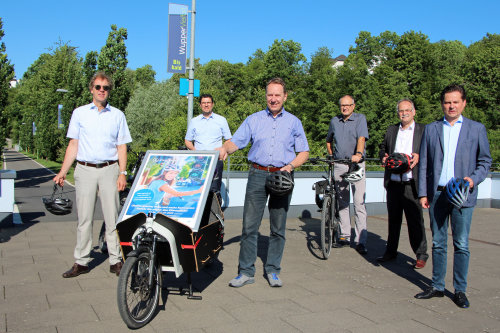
(419, 264)
(116, 268)
(75, 271)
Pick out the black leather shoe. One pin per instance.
(461, 300)
(75, 271)
(116, 268)
(387, 257)
(361, 249)
(430, 293)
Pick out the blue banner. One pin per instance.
(59, 117)
(177, 38)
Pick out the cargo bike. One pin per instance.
(179, 234)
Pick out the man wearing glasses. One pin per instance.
(205, 132)
(98, 136)
(402, 189)
(349, 132)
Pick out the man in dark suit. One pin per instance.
(453, 147)
(401, 189)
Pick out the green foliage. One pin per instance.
(148, 110)
(6, 74)
(38, 100)
(113, 61)
(379, 71)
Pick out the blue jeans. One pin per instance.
(441, 212)
(255, 203)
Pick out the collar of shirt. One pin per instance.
(209, 117)
(410, 128)
(94, 107)
(447, 123)
(280, 114)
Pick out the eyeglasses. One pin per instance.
(346, 105)
(98, 87)
(405, 110)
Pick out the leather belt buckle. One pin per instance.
(265, 168)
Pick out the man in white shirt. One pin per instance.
(98, 136)
(402, 189)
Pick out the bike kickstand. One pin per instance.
(190, 284)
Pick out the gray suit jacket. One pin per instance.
(472, 158)
(389, 144)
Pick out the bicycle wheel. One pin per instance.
(335, 222)
(326, 226)
(137, 301)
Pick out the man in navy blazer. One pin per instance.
(458, 147)
(402, 195)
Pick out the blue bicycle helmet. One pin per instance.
(457, 191)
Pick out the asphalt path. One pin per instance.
(33, 182)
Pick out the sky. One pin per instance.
(233, 30)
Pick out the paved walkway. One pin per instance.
(346, 293)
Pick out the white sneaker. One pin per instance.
(241, 280)
(274, 280)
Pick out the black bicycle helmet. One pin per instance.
(279, 183)
(457, 191)
(58, 203)
(354, 174)
(398, 163)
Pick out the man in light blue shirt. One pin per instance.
(278, 143)
(98, 136)
(454, 147)
(207, 131)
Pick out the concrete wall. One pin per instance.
(303, 205)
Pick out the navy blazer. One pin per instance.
(389, 144)
(472, 158)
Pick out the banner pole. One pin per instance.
(191, 64)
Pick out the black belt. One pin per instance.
(98, 165)
(407, 182)
(267, 168)
(441, 188)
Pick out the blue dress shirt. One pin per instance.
(98, 133)
(275, 141)
(450, 141)
(207, 133)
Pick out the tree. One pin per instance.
(150, 109)
(113, 61)
(61, 68)
(145, 75)
(6, 74)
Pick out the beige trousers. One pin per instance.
(89, 182)
(343, 196)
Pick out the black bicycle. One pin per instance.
(326, 199)
(123, 198)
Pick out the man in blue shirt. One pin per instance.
(453, 147)
(276, 137)
(206, 131)
(98, 136)
(349, 132)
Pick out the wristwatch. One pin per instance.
(123, 172)
(360, 153)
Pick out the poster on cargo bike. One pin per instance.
(173, 183)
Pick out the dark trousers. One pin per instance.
(402, 197)
(217, 180)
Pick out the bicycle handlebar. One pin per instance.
(329, 160)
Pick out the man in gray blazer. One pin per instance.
(458, 147)
(401, 189)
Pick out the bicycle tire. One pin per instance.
(326, 227)
(137, 303)
(335, 222)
